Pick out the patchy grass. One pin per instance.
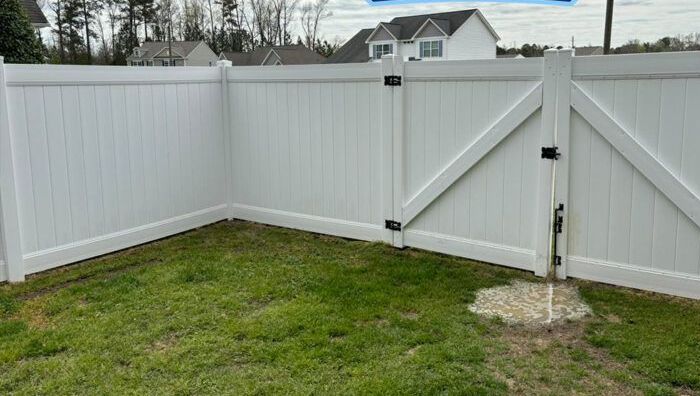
(239, 308)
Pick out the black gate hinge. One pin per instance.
(551, 153)
(392, 225)
(557, 261)
(392, 81)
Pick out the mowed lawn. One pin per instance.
(240, 308)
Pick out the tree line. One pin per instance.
(106, 31)
(688, 42)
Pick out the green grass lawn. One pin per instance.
(239, 308)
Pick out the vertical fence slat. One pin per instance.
(9, 219)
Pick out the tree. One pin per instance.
(90, 11)
(284, 12)
(325, 48)
(18, 41)
(312, 13)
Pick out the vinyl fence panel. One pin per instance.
(306, 147)
(107, 157)
(581, 167)
(483, 201)
(634, 211)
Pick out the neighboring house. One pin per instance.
(588, 51)
(274, 56)
(36, 15)
(510, 56)
(457, 35)
(184, 53)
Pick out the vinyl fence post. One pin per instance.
(545, 209)
(563, 137)
(9, 218)
(224, 66)
(398, 163)
(387, 160)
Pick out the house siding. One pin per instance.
(430, 31)
(202, 56)
(382, 35)
(472, 41)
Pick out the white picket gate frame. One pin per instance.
(452, 154)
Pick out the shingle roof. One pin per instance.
(354, 50)
(288, 54)
(36, 16)
(453, 21)
(150, 49)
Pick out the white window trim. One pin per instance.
(394, 48)
(432, 58)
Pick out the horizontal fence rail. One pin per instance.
(443, 156)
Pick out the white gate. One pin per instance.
(468, 179)
(629, 175)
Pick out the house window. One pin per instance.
(166, 63)
(431, 49)
(383, 49)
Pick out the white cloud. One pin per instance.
(527, 23)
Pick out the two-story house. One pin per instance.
(457, 35)
(176, 53)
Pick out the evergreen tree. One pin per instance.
(18, 41)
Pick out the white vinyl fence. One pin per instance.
(105, 158)
(443, 156)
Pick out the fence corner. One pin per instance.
(9, 217)
(224, 65)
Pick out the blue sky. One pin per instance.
(521, 23)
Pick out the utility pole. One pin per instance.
(608, 26)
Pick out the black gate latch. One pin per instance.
(392, 225)
(392, 81)
(551, 153)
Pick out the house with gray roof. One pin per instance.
(457, 35)
(35, 14)
(274, 56)
(176, 53)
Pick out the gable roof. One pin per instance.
(150, 49)
(288, 55)
(354, 50)
(35, 14)
(449, 22)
